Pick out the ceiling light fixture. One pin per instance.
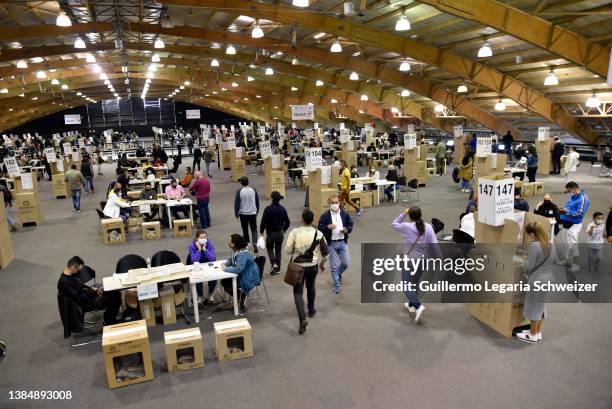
(269, 71)
(64, 86)
(187, 83)
(402, 24)
(294, 89)
(500, 106)
(4, 91)
(22, 64)
(249, 79)
(364, 97)
(295, 61)
(257, 32)
(90, 59)
(462, 89)
(319, 83)
(405, 93)
(334, 101)
(230, 50)
(404, 66)
(485, 51)
(54, 81)
(63, 20)
(593, 101)
(300, 3)
(79, 43)
(394, 110)
(41, 74)
(354, 76)
(336, 47)
(439, 108)
(155, 58)
(551, 79)
(159, 43)
(214, 62)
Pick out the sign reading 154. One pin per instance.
(487, 189)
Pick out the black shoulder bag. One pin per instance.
(295, 272)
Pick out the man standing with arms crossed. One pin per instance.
(336, 225)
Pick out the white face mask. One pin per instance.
(335, 207)
(202, 241)
(599, 221)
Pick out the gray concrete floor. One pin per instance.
(353, 356)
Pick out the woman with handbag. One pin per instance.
(541, 255)
(308, 251)
(240, 262)
(418, 238)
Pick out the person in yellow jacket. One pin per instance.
(466, 171)
(345, 188)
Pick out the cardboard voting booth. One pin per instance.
(543, 148)
(459, 148)
(322, 183)
(234, 339)
(495, 199)
(127, 354)
(274, 175)
(238, 165)
(411, 158)
(184, 349)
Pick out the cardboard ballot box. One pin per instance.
(113, 231)
(60, 188)
(182, 227)
(127, 354)
(184, 349)
(234, 339)
(495, 199)
(151, 230)
(28, 207)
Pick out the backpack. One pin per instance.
(455, 175)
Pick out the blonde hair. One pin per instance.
(540, 234)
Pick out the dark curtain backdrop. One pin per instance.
(127, 115)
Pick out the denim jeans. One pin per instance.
(413, 298)
(509, 153)
(207, 168)
(204, 213)
(595, 255)
(465, 184)
(89, 186)
(211, 288)
(389, 191)
(338, 261)
(9, 219)
(76, 198)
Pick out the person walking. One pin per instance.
(507, 139)
(466, 171)
(556, 153)
(87, 172)
(197, 158)
(572, 161)
(440, 153)
(246, 208)
(201, 189)
(418, 238)
(541, 255)
(207, 155)
(307, 248)
(345, 188)
(75, 180)
(336, 224)
(571, 216)
(274, 223)
(532, 163)
(99, 160)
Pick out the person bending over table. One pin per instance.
(148, 193)
(115, 206)
(86, 297)
(201, 250)
(241, 262)
(175, 192)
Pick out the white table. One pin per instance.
(183, 202)
(381, 185)
(210, 272)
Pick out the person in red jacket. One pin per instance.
(201, 189)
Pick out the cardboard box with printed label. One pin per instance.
(147, 312)
(527, 189)
(20, 184)
(60, 188)
(127, 354)
(459, 149)
(495, 199)
(226, 160)
(165, 302)
(151, 230)
(113, 231)
(182, 227)
(238, 169)
(184, 349)
(275, 181)
(28, 207)
(134, 223)
(234, 339)
(544, 156)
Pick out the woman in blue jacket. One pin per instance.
(532, 163)
(240, 262)
(201, 250)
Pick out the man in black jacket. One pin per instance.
(274, 222)
(88, 298)
(197, 158)
(548, 209)
(336, 225)
(556, 152)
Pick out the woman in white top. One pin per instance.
(572, 162)
(373, 173)
(114, 204)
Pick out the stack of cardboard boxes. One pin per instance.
(225, 158)
(27, 199)
(6, 243)
(422, 172)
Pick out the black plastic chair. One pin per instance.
(101, 216)
(129, 262)
(164, 257)
(464, 241)
(74, 322)
(102, 205)
(437, 224)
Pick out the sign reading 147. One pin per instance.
(488, 190)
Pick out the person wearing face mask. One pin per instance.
(549, 210)
(241, 262)
(114, 204)
(175, 192)
(149, 194)
(596, 236)
(373, 173)
(571, 218)
(201, 250)
(336, 225)
(541, 255)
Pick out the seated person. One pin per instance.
(201, 250)
(371, 148)
(294, 174)
(548, 209)
(373, 173)
(140, 152)
(187, 178)
(354, 172)
(240, 262)
(467, 223)
(520, 203)
(391, 176)
(115, 206)
(88, 298)
(175, 192)
(521, 164)
(149, 194)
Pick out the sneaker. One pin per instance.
(303, 325)
(13, 228)
(200, 300)
(410, 308)
(336, 290)
(312, 313)
(211, 299)
(527, 337)
(360, 211)
(419, 312)
(78, 211)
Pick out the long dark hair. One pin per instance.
(415, 215)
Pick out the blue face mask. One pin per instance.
(202, 241)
